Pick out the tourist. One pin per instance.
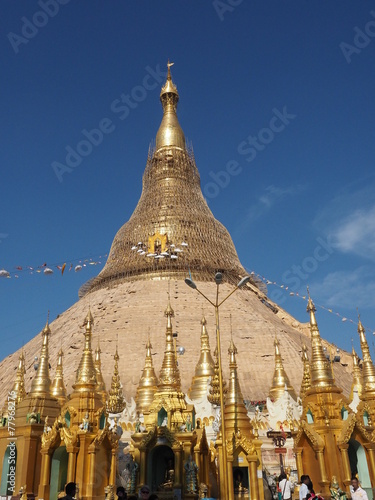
(357, 492)
(285, 486)
(304, 488)
(70, 490)
(144, 492)
(121, 493)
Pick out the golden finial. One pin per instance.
(321, 368)
(357, 376)
(86, 373)
(280, 379)
(58, 389)
(306, 379)
(204, 368)
(100, 386)
(41, 384)
(169, 377)
(18, 389)
(235, 412)
(170, 132)
(148, 382)
(116, 402)
(368, 370)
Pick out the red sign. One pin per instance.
(281, 451)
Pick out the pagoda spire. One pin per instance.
(235, 412)
(204, 368)
(116, 402)
(41, 384)
(86, 373)
(368, 370)
(280, 378)
(357, 376)
(100, 386)
(306, 379)
(18, 389)
(58, 389)
(321, 368)
(214, 391)
(170, 133)
(169, 377)
(148, 382)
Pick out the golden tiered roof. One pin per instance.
(280, 379)
(58, 389)
(148, 382)
(116, 402)
(204, 368)
(18, 389)
(368, 369)
(306, 379)
(171, 209)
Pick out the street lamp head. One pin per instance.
(243, 281)
(190, 283)
(218, 278)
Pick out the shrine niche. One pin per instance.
(157, 243)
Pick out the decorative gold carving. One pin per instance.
(157, 243)
(347, 429)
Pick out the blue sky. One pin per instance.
(278, 94)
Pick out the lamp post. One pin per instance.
(216, 305)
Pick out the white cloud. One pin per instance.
(272, 195)
(344, 289)
(355, 233)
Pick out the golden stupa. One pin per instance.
(172, 233)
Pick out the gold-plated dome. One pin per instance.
(41, 384)
(280, 379)
(321, 368)
(170, 133)
(148, 382)
(171, 211)
(235, 412)
(86, 373)
(204, 368)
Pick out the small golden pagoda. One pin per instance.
(357, 376)
(170, 438)
(148, 382)
(204, 369)
(243, 459)
(100, 388)
(18, 388)
(26, 423)
(116, 402)
(306, 379)
(280, 380)
(78, 445)
(58, 388)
